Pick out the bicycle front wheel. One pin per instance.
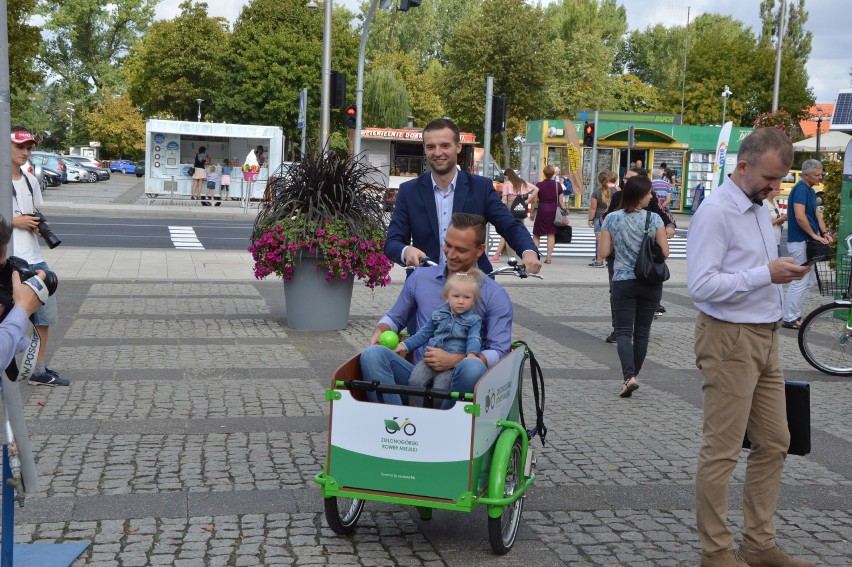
(826, 340)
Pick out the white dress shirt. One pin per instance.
(729, 247)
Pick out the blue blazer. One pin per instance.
(415, 219)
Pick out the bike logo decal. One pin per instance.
(392, 427)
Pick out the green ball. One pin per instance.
(389, 339)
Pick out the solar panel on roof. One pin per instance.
(842, 117)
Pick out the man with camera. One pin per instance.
(27, 297)
(25, 233)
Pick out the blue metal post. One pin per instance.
(7, 538)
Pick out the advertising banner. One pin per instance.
(721, 153)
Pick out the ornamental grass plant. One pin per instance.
(325, 206)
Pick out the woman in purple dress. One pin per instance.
(549, 197)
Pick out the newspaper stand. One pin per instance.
(419, 457)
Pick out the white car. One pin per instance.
(76, 173)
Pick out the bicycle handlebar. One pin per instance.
(514, 268)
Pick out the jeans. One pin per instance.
(381, 364)
(633, 305)
(798, 289)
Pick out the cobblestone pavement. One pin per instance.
(197, 419)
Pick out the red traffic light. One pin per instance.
(588, 135)
(350, 115)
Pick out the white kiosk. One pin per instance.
(171, 145)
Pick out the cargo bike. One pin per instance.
(477, 453)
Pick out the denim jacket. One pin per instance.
(456, 334)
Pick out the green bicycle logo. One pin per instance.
(391, 426)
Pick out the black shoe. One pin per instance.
(661, 309)
(611, 338)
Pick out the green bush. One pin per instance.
(831, 196)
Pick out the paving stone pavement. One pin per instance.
(197, 419)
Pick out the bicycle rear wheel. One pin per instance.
(826, 341)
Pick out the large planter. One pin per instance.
(314, 304)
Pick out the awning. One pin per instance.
(830, 142)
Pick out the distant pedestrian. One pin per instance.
(598, 204)
(662, 189)
(548, 197)
(199, 175)
(212, 180)
(777, 217)
(633, 301)
(513, 188)
(806, 225)
(225, 181)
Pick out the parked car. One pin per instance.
(140, 168)
(79, 172)
(101, 173)
(50, 163)
(36, 171)
(123, 165)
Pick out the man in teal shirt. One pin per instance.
(805, 224)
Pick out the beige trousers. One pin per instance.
(743, 390)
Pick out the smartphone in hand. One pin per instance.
(814, 260)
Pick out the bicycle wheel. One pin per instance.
(503, 530)
(826, 341)
(342, 514)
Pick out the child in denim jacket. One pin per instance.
(453, 327)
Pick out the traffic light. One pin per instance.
(498, 113)
(404, 5)
(338, 89)
(589, 135)
(349, 116)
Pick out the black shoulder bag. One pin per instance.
(650, 262)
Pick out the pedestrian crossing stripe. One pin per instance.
(583, 244)
(184, 238)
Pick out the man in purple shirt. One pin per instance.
(422, 294)
(734, 276)
(13, 329)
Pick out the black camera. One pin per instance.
(49, 238)
(15, 264)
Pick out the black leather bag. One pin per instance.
(650, 262)
(798, 418)
(564, 234)
(815, 249)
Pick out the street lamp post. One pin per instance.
(725, 94)
(199, 101)
(325, 92)
(819, 119)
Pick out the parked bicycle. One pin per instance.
(825, 337)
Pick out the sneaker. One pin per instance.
(49, 378)
(726, 558)
(597, 264)
(661, 309)
(772, 557)
(611, 338)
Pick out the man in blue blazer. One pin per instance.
(425, 205)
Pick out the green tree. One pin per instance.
(87, 41)
(119, 126)
(508, 42)
(24, 45)
(385, 99)
(796, 38)
(179, 61)
(276, 51)
(587, 35)
(652, 55)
